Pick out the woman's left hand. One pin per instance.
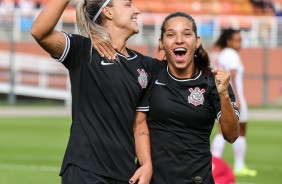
(142, 175)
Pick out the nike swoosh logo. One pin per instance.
(159, 83)
(104, 63)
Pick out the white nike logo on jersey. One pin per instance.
(159, 83)
(104, 63)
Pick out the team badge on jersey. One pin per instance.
(196, 97)
(143, 78)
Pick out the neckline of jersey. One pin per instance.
(128, 58)
(182, 80)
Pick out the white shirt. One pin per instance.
(228, 60)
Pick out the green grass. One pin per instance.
(263, 152)
(32, 149)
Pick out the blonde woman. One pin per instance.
(104, 137)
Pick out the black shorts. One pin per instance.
(75, 175)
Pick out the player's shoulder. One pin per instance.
(146, 60)
(229, 52)
(209, 75)
(142, 56)
(209, 79)
(73, 35)
(78, 38)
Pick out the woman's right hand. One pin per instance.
(105, 49)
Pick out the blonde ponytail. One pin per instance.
(85, 12)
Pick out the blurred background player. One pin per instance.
(229, 59)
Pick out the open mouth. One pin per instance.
(180, 53)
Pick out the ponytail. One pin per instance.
(202, 60)
(85, 12)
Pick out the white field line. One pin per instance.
(29, 167)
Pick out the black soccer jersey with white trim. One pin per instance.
(181, 118)
(105, 97)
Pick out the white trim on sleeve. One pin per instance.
(66, 50)
(236, 112)
(218, 116)
(142, 109)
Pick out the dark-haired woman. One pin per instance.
(185, 100)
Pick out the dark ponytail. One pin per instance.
(202, 60)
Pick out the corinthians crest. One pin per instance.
(143, 78)
(196, 97)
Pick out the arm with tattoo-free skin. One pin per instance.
(43, 31)
(234, 85)
(143, 151)
(228, 121)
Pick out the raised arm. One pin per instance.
(43, 31)
(228, 119)
(143, 150)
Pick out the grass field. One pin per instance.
(31, 150)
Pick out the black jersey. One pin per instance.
(181, 117)
(105, 97)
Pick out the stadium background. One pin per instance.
(26, 70)
(32, 144)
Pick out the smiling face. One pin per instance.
(179, 41)
(124, 15)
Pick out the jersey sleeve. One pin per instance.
(214, 96)
(76, 52)
(144, 105)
